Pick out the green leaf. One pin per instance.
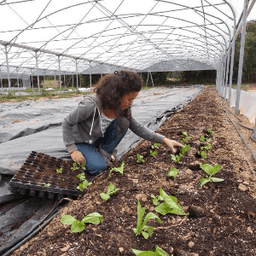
(155, 145)
(172, 173)
(214, 179)
(117, 169)
(81, 176)
(202, 138)
(143, 253)
(94, 218)
(140, 159)
(153, 153)
(203, 154)
(184, 133)
(150, 216)
(67, 219)
(184, 149)
(77, 226)
(104, 196)
(161, 252)
(169, 205)
(204, 181)
(209, 169)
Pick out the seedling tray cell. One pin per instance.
(38, 177)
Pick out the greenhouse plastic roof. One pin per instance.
(100, 36)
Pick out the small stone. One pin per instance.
(141, 197)
(196, 211)
(121, 249)
(242, 187)
(191, 244)
(64, 249)
(249, 230)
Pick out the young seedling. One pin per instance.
(202, 154)
(210, 170)
(110, 191)
(74, 167)
(82, 166)
(169, 204)
(81, 176)
(59, 170)
(155, 145)
(82, 186)
(159, 252)
(185, 137)
(78, 226)
(202, 139)
(153, 153)
(176, 158)
(209, 131)
(142, 228)
(183, 151)
(117, 169)
(172, 173)
(140, 159)
(47, 185)
(207, 147)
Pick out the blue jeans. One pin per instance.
(95, 162)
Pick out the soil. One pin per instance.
(222, 216)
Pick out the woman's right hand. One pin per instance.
(78, 157)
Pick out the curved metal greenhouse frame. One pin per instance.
(51, 37)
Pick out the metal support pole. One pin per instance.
(90, 74)
(152, 81)
(227, 72)
(64, 82)
(59, 72)
(38, 80)
(241, 58)
(147, 79)
(76, 76)
(231, 68)
(44, 81)
(7, 65)
(1, 78)
(254, 136)
(72, 80)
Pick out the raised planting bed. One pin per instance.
(45, 176)
(222, 215)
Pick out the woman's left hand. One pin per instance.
(172, 144)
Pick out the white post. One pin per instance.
(59, 72)
(38, 80)
(241, 58)
(7, 65)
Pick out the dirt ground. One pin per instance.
(222, 216)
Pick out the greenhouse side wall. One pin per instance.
(247, 103)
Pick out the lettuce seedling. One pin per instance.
(159, 252)
(142, 228)
(82, 186)
(155, 145)
(117, 169)
(74, 167)
(209, 131)
(184, 149)
(210, 170)
(153, 153)
(110, 191)
(202, 154)
(47, 185)
(207, 147)
(140, 159)
(176, 158)
(78, 226)
(202, 139)
(59, 170)
(185, 138)
(169, 204)
(172, 173)
(81, 176)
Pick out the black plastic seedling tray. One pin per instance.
(38, 177)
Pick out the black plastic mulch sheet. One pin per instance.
(36, 126)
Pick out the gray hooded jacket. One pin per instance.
(83, 125)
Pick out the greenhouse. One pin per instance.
(198, 195)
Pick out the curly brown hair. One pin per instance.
(112, 87)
